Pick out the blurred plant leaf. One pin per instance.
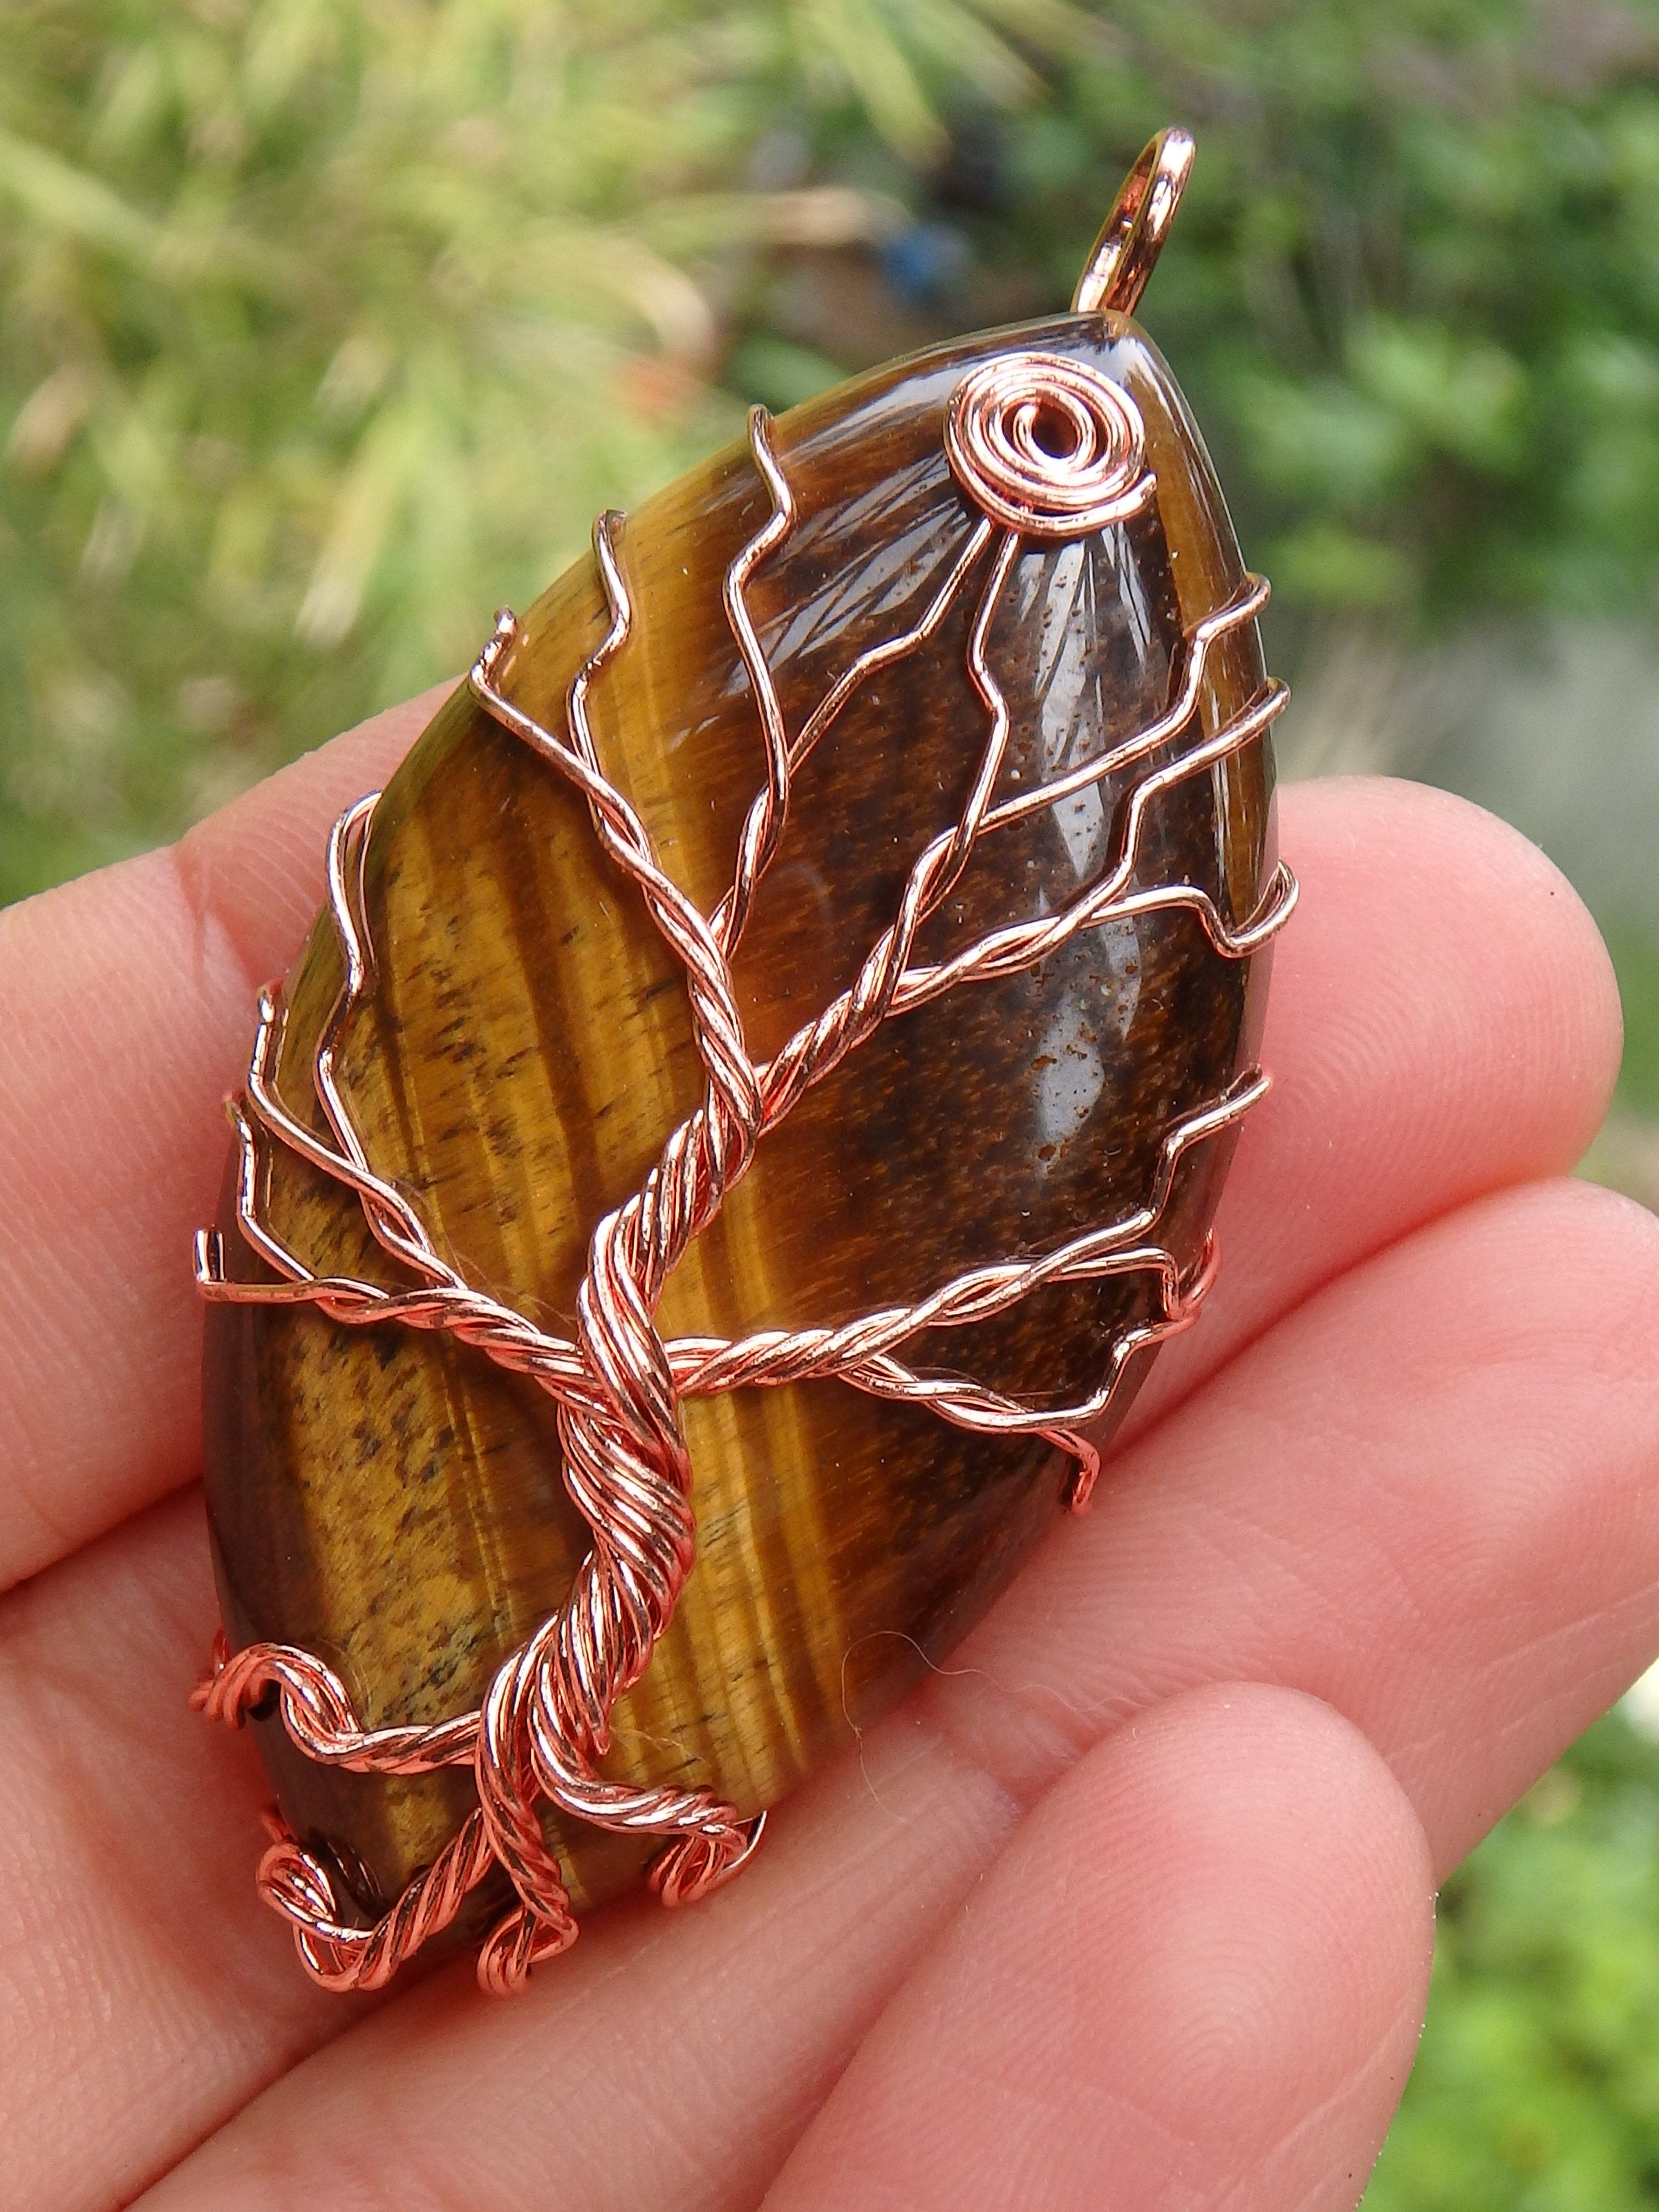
(328, 323)
(1537, 2086)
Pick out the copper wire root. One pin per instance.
(1045, 449)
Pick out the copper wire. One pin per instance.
(1045, 449)
(1048, 447)
(1126, 252)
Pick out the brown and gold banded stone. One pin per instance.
(394, 1502)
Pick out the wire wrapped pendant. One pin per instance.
(750, 1111)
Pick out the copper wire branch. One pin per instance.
(543, 1728)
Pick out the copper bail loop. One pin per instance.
(1131, 238)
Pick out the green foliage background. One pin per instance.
(1537, 2084)
(328, 323)
(325, 325)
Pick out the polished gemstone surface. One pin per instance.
(393, 1502)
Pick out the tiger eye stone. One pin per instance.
(393, 1502)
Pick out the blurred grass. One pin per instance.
(1636, 956)
(1537, 2086)
(1625, 1154)
(327, 324)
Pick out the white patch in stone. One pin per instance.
(1070, 1078)
(1118, 946)
(1081, 822)
(1071, 1071)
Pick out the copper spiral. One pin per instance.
(1048, 447)
(1045, 449)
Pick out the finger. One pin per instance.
(1432, 1500)
(1196, 1978)
(1479, 1051)
(136, 1983)
(1444, 1022)
(1430, 1497)
(129, 1006)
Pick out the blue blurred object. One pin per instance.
(922, 263)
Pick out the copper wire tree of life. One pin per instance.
(1044, 450)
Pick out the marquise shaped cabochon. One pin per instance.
(393, 1502)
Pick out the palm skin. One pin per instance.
(1133, 1906)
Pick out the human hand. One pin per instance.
(1132, 1907)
